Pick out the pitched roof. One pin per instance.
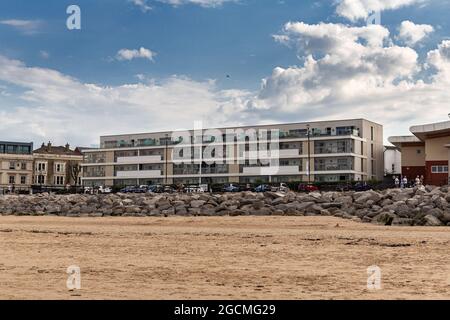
(61, 150)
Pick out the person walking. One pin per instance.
(397, 182)
(417, 181)
(405, 182)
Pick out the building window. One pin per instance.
(23, 166)
(59, 167)
(393, 168)
(419, 151)
(439, 169)
(12, 179)
(59, 181)
(40, 179)
(23, 180)
(371, 150)
(40, 166)
(371, 133)
(12, 165)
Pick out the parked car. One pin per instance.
(281, 188)
(169, 189)
(231, 188)
(362, 186)
(104, 190)
(344, 187)
(128, 189)
(307, 188)
(263, 188)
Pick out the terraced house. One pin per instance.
(326, 151)
(53, 166)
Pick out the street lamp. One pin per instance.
(309, 154)
(165, 157)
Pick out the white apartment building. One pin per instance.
(322, 151)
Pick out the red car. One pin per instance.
(307, 188)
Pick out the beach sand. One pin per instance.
(220, 258)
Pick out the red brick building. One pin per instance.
(426, 152)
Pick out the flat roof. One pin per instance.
(421, 131)
(246, 126)
(399, 140)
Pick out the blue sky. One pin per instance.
(209, 62)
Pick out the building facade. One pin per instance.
(53, 165)
(324, 151)
(392, 161)
(426, 152)
(16, 165)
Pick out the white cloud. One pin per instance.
(25, 26)
(143, 53)
(57, 107)
(202, 3)
(411, 33)
(142, 4)
(349, 72)
(440, 60)
(361, 9)
(44, 54)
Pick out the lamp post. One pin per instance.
(309, 154)
(165, 157)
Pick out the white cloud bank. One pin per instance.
(57, 107)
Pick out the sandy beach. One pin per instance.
(220, 258)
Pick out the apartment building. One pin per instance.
(325, 151)
(53, 166)
(16, 165)
(425, 152)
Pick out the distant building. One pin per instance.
(426, 152)
(16, 165)
(341, 150)
(53, 164)
(392, 161)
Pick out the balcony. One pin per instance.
(139, 160)
(139, 174)
(273, 170)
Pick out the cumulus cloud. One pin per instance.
(348, 72)
(440, 60)
(411, 33)
(361, 9)
(25, 26)
(142, 4)
(142, 53)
